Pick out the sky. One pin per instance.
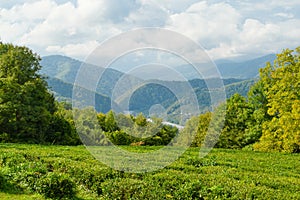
(225, 29)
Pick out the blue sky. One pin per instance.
(226, 29)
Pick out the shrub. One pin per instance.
(128, 188)
(2, 181)
(57, 186)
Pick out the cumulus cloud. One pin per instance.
(57, 27)
(74, 50)
(21, 19)
(25, 12)
(145, 17)
(225, 28)
(105, 10)
(228, 31)
(209, 24)
(66, 25)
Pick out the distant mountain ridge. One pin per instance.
(60, 67)
(229, 69)
(62, 72)
(246, 69)
(65, 68)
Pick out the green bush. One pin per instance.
(119, 137)
(2, 181)
(128, 188)
(57, 186)
(6, 185)
(93, 178)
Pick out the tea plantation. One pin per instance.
(63, 172)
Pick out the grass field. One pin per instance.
(63, 172)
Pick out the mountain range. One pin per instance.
(61, 72)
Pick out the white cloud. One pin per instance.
(144, 17)
(54, 29)
(21, 19)
(74, 50)
(284, 4)
(284, 15)
(226, 31)
(208, 24)
(224, 28)
(68, 25)
(28, 11)
(290, 30)
(255, 32)
(171, 6)
(257, 38)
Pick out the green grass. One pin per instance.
(32, 171)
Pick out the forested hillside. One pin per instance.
(61, 72)
(149, 94)
(266, 119)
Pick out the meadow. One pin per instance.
(68, 172)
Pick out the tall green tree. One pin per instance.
(280, 131)
(259, 101)
(237, 117)
(26, 106)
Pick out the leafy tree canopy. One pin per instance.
(26, 106)
(281, 90)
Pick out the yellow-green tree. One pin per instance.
(281, 130)
(203, 124)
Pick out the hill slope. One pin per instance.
(61, 72)
(228, 69)
(246, 69)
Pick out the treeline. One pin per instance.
(268, 119)
(30, 114)
(120, 129)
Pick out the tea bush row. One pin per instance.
(72, 173)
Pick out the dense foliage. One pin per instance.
(28, 112)
(269, 117)
(62, 172)
(281, 91)
(135, 130)
(26, 107)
